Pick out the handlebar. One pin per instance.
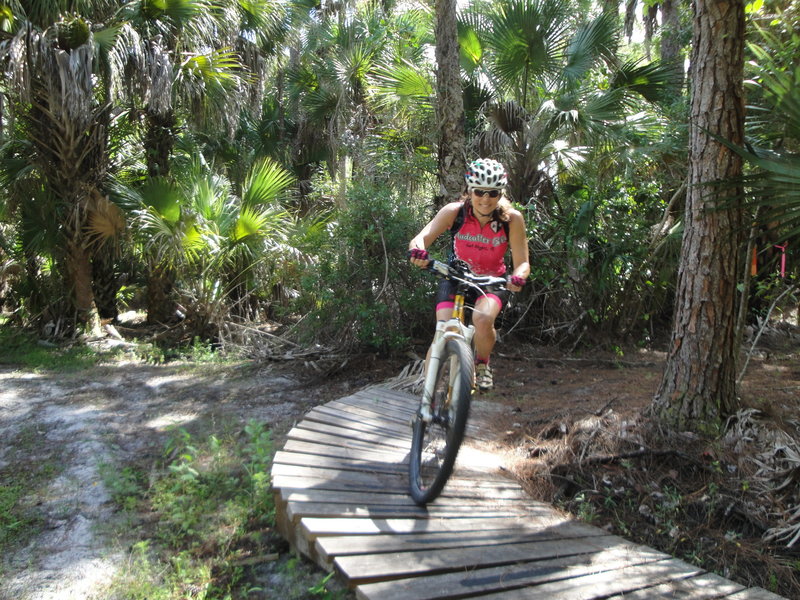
(460, 272)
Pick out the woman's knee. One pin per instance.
(483, 320)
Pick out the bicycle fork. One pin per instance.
(445, 330)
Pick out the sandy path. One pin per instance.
(110, 415)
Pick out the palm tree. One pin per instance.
(186, 72)
(50, 64)
(539, 72)
(210, 241)
(342, 80)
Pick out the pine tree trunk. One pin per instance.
(698, 388)
(671, 39)
(449, 105)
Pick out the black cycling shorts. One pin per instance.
(446, 293)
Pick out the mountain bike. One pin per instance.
(441, 420)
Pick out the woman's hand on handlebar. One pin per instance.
(419, 257)
(515, 284)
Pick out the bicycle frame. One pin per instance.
(454, 327)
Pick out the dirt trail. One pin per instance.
(74, 425)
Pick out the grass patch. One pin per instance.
(20, 516)
(23, 349)
(206, 524)
(17, 521)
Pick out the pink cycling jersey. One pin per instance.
(483, 248)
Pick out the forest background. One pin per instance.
(247, 175)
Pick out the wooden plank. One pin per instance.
(701, 587)
(306, 435)
(462, 480)
(387, 395)
(377, 440)
(370, 480)
(480, 581)
(298, 510)
(604, 584)
(475, 430)
(393, 415)
(490, 492)
(296, 459)
(329, 547)
(406, 407)
(316, 448)
(373, 425)
(384, 497)
(467, 495)
(336, 484)
(383, 398)
(314, 528)
(755, 593)
(398, 565)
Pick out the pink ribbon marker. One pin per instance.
(783, 257)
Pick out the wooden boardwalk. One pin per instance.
(341, 498)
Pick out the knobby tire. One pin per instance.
(434, 445)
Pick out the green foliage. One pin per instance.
(17, 523)
(22, 348)
(30, 464)
(211, 496)
(598, 257)
(362, 288)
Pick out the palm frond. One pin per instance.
(178, 12)
(106, 221)
(254, 221)
(265, 182)
(220, 68)
(471, 49)
(651, 81)
(405, 82)
(526, 38)
(163, 197)
(591, 42)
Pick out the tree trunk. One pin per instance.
(78, 269)
(698, 389)
(159, 143)
(160, 303)
(670, 38)
(105, 283)
(449, 104)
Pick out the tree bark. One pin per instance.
(671, 38)
(449, 104)
(698, 389)
(160, 303)
(78, 269)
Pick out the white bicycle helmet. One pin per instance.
(486, 173)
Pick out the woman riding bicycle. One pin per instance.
(484, 226)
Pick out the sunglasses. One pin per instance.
(482, 193)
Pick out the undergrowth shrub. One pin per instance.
(595, 275)
(362, 290)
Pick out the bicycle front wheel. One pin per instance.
(434, 445)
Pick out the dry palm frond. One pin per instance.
(410, 379)
(775, 455)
